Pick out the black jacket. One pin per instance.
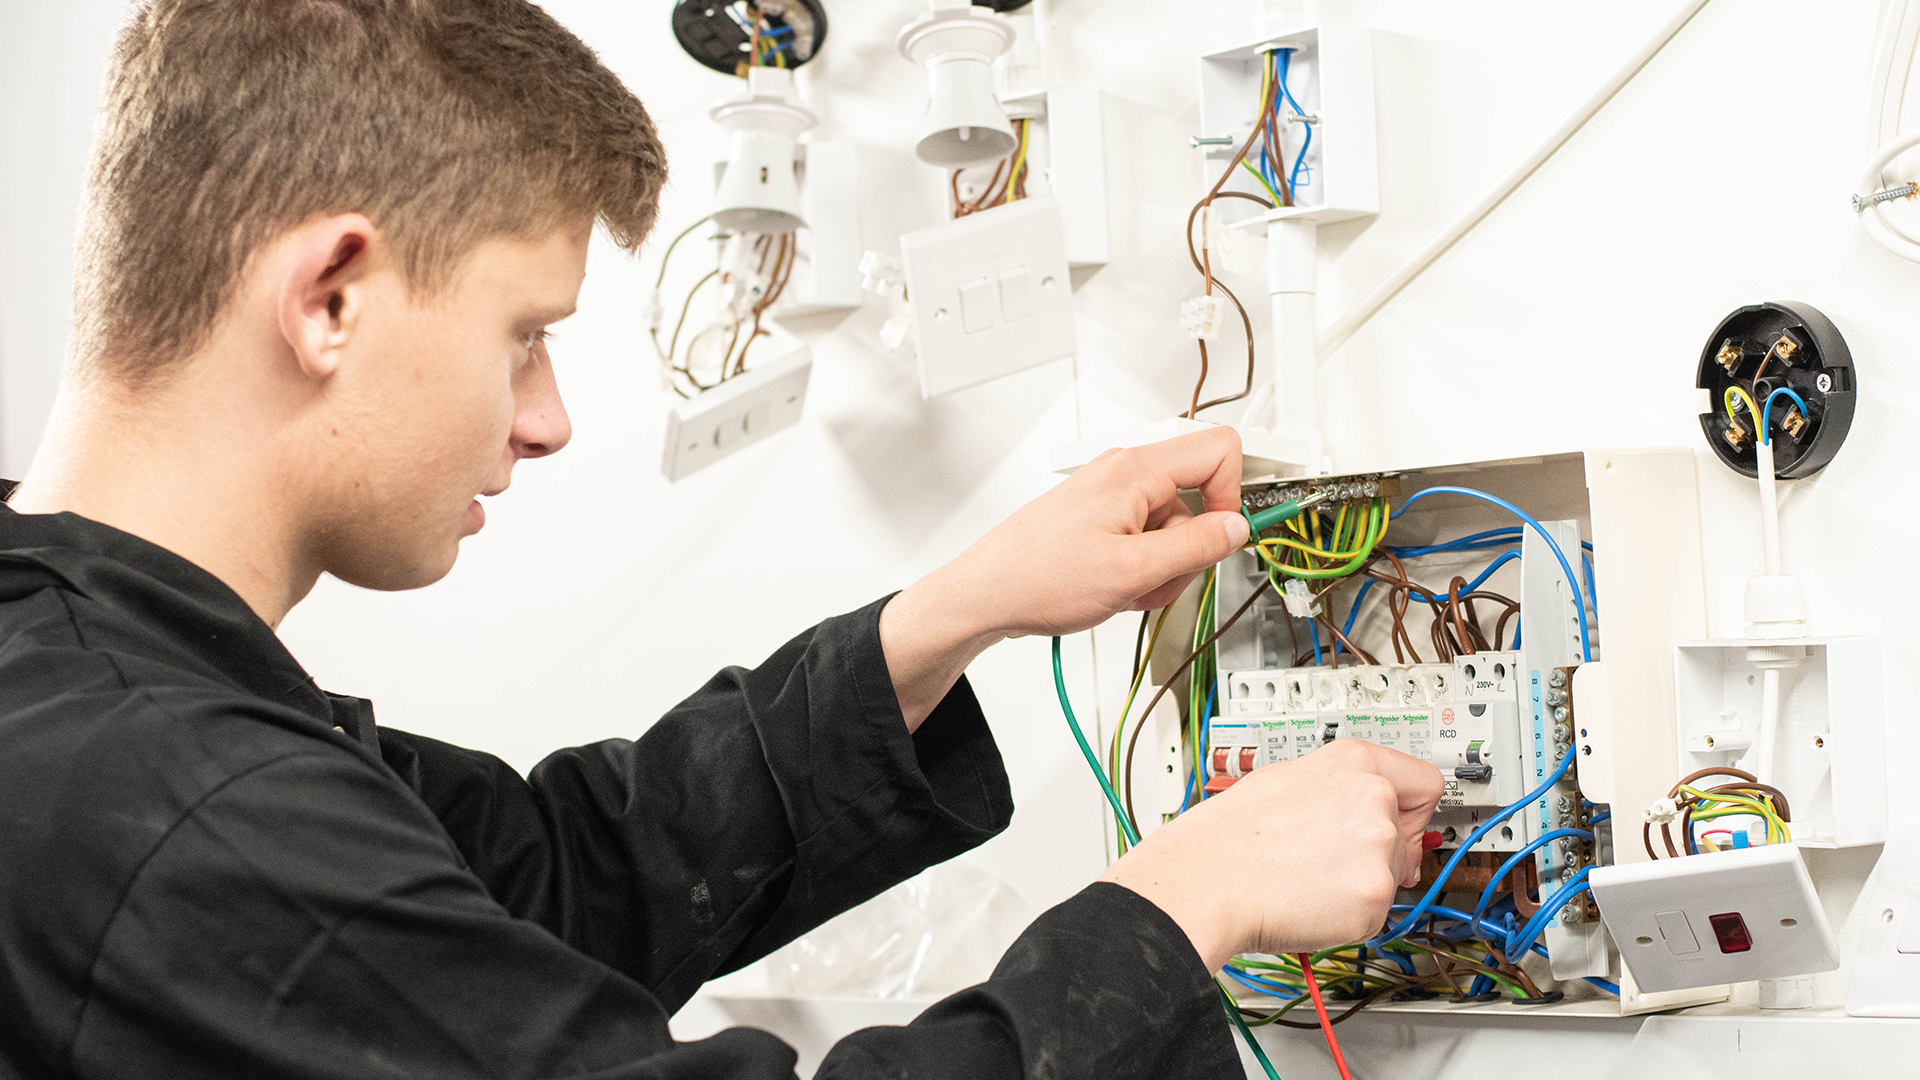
(211, 868)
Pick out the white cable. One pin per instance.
(1769, 724)
(1769, 506)
(1258, 403)
(1886, 98)
(1337, 334)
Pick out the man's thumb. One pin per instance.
(1189, 546)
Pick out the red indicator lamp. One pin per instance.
(1730, 930)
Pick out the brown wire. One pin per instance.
(1246, 323)
(1126, 778)
(1204, 257)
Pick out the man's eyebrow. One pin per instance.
(543, 316)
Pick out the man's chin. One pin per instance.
(387, 571)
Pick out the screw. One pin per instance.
(1904, 191)
(1303, 118)
(1565, 804)
(1824, 383)
(1560, 714)
(1558, 678)
(1198, 141)
(1556, 697)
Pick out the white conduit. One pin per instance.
(1337, 334)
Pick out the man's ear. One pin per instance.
(323, 295)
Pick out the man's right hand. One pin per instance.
(1297, 856)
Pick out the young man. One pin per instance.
(323, 239)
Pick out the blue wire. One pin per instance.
(1353, 614)
(1293, 181)
(1456, 915)
(1490, 538)
(1259, 983)
(1580, 602)
(1427, 902)
(1598, 818)
(1545, 838)
(1574, 887)
(1766, 411)
(1504, 559)
(1300, 161)
(1316, 640)
(1609, 987)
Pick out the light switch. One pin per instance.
(1678, 934)
(1016, 294)
(976, 305)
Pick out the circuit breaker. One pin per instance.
(1462, 716)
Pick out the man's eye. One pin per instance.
(534, 339)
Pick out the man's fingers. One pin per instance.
(1178, 550)
(1418, 784)
(1166, 594)
(1208, 460)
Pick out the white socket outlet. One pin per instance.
(742, 410)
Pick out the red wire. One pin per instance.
(1326, 1025)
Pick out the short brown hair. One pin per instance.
(225, 123)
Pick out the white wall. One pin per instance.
(599, 594)
(51, 59)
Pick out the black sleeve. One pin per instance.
(768, 802)
(308, 920)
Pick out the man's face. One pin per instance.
(434, 402)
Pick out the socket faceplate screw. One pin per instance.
(1861, 202)
(1198, 141)
(1824, 382)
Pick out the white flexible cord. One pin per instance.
(1886, 99)
(1259, 405)
(1343, 328)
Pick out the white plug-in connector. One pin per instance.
(1201, 316)
(1301, 603)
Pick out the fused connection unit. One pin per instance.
(1704, 920)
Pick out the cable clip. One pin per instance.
(1663, 812)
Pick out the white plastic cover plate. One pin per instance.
(1720, 917)
(990, 294)
(1886, 969)
(742, 410)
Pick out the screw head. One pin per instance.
(1556, 697)
(1560, 714)
(1824, 382)
(1558, 678)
